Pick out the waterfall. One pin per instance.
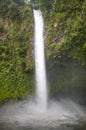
(40, 69)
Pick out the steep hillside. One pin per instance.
(65, 41)
(16, 32)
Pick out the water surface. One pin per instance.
(61, 115)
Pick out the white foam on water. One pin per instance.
(28, 114)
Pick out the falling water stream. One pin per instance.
(41, 114)
(40, 69)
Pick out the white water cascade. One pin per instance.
(40, 69)
(59, 115)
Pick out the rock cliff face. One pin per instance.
(65, 30)
(65, 40)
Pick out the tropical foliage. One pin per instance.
(65, 37)
(66, 30)
(15, 49)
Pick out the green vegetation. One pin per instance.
(66, 31)
(65, 27)
(15, 50)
